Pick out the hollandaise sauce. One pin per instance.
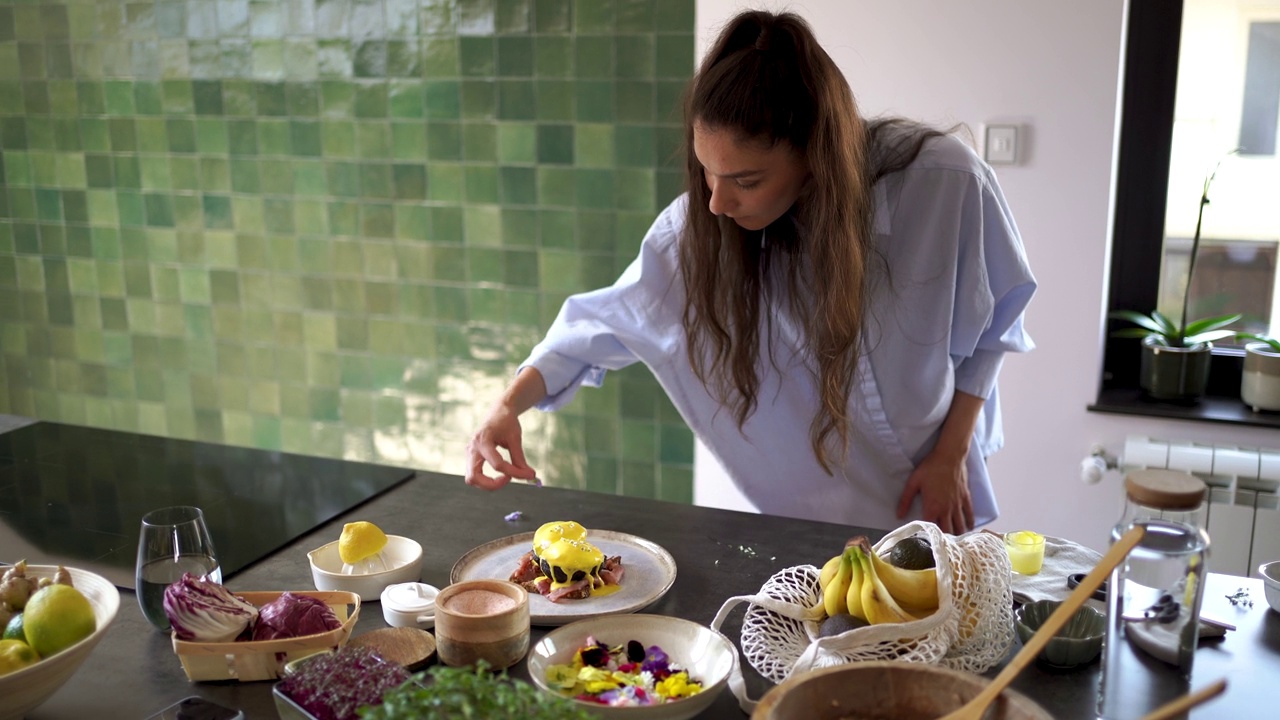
(565, 556)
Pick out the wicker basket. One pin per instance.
(252, 661)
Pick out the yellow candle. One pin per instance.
(1026, 551)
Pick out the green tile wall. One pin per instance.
(333, 227)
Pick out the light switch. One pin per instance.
(1002, 144)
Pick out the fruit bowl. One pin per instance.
(24, 690)
(886, 689)
(706, 654)
(404, 563)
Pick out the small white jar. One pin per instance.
(411, 604)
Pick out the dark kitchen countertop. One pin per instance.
(134, 673)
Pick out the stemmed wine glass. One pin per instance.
(173, 541)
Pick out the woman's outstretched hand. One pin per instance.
(500, 430)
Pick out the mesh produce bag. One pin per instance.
(971, 630)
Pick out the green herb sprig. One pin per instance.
(477, 694)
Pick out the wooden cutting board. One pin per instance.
(411, 647)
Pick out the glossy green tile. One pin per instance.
(635, 102)
(211, 136)
(337, 99)
(408, 141)
(478, 99)
(557, 187)
(477, 56)
(444, 141)
(481, 183)
(371, 100)
(594, 145)
(245, 177)
(594, 56)
(556, 144)
(517, 142)
(441, 56)
(555, 100)
(377, 221)
(635, 58)
(674, 55)
(338, 138)
(410, 182)
(516, 100)
(594, 101)
(518, 185)
(405, 99)
(446, 225)
(344, 218)
(302, 99)
(515, 56)
(443, 100)
(373, 139)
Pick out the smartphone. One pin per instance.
(197, 708)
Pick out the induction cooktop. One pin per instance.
(75, 496)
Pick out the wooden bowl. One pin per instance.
(886, 689)
(24, 690)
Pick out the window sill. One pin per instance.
(1211, 408)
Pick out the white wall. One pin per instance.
(1054, 67)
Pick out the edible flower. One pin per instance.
(622, 676)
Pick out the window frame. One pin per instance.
(1153, 39)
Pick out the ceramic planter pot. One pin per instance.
(1260, 380)
(1174, 373)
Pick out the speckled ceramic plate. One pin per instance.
(649, 572)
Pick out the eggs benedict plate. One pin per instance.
(585, 570)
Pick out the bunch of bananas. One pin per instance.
(861, 583)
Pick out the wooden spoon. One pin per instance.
(977, 707)
(1177, 706)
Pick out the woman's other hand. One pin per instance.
(502, 430)
(942, 482)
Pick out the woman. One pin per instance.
(828, 306)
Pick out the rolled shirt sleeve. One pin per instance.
(613, 327)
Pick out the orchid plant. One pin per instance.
(1157, 328)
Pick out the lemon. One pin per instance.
(13, 631)
(15, 655)
(360, 540)
(56, 618)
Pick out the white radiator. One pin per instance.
(1244, 496)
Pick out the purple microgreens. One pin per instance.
(513, 516)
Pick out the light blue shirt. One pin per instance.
(953, 305)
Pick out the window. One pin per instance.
(1176, 123)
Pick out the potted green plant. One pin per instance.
(1260, 378)
(1175, 358)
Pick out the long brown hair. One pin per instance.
(767, 80)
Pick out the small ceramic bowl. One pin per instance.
(410, 604)
(705, 653)
(404, 561)
(482, 620)
(1270, 573)
(1078, 642)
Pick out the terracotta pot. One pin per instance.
(884, 689)
(1260, 380)
(1175, 373)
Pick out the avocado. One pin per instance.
(837, 624)
(913, 553)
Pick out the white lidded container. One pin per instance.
(411, 604)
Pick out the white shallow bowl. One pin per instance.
(24, 690)
(705, 653)
(404, 557)
(1270, 573)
